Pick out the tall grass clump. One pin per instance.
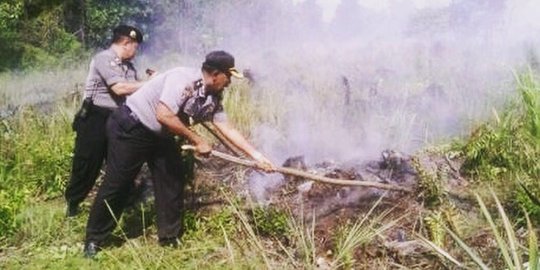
(239, 108)
(33, 87)
(36, 108)
(512, 253)
(505, 153)
(363, 231)
(35, 155)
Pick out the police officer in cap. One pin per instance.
(144, 130)
(111, 78)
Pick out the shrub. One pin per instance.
(506, 153)
(35, 151)
(270, 221)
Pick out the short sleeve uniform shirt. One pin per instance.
(182, 91)
(107, 69)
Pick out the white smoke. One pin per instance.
(418, 72)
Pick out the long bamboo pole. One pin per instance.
(214, 131)
(302, 174)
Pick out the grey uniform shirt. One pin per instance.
(107, 69)
(181, 90)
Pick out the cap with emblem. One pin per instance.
(222, 61)
(127, 31)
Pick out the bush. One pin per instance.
(35, 155)
(506, 153)
(270, 221)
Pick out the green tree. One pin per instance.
(103, 15)
(11, 12)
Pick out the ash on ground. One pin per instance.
(320, 198)
(330, 207)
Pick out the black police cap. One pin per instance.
(222, 61)
(127, 31)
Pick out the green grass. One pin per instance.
(33, 87)
(511, 251)
(224, 240)
(35, 151)
(362, 232)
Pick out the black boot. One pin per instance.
(90, 249)
(169, 242)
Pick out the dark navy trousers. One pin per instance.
(130, 144)
(89, 154)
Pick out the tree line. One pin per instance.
(55, 32)
(45, 33)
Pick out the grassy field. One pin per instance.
(237, 233)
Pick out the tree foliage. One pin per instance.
(10, 50)
(41, 33)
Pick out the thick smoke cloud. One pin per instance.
(368, 79)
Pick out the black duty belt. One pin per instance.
(101, 110)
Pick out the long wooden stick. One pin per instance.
(302, 174)
(214, 131)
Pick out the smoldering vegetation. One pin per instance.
(342, 87)
(367, 78)
(345, 87)
(351, 96)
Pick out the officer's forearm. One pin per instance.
(126, 88)
(238, 139)
(168, 119)
(177, 127)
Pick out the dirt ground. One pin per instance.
(334, 206)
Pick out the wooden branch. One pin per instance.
(302, 174)
(214, 131)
